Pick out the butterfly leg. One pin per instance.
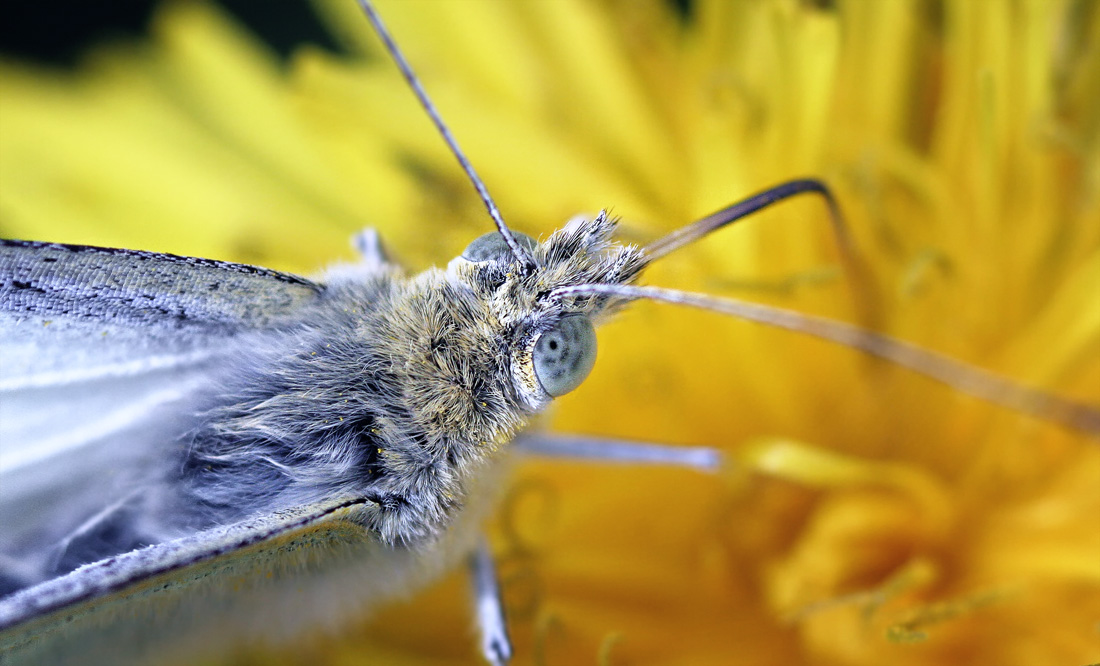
(372, 253)
(495, 644)
(373, 259)
(600, 449)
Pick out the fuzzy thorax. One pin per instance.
(396, 389)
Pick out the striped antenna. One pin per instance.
(520, 253)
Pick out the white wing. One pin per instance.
(92, 338)
(94, 345)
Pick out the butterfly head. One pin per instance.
(551, 340)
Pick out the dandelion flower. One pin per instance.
(871, 515)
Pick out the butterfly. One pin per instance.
(244, 383)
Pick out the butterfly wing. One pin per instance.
(149, 598)
(93, 342)
(101, 331)
(189, 598)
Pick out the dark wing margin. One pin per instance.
(144, 289)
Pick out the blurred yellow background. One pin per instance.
(872, 516)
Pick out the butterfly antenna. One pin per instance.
(746, 207)
(518, 250)
(859, 275)
(964, 377)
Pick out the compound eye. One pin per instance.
(564, 355)
(493, 247)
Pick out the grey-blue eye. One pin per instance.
(493, 247)
(564, 355)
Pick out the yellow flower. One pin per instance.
(872, 516)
